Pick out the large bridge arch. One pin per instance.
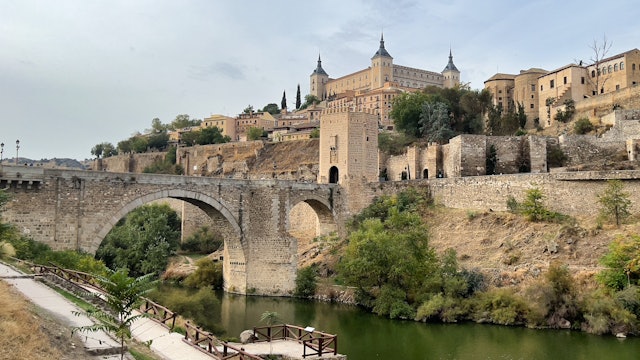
(234, 252)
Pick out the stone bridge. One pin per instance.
(70, 209)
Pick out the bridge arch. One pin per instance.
(234, 271)
(321, 207)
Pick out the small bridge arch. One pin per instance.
(322, 208)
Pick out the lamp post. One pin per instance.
(17, 148)
(1, 151)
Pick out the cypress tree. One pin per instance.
(283, 104)
(298, 100)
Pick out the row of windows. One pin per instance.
(610, 69)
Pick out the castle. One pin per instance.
(373, 89)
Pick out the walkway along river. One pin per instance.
(366, 336)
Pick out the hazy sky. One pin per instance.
(74, 73)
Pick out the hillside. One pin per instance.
(504, 246)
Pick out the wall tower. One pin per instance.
(381, 66)
(319, 79)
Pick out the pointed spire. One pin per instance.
(450, 66)
(381, 51)
(319, 70)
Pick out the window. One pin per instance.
(533, 87)
(532, 96)
(617, 87)
(541, 88)
(564, 80)
(551, 83)
(593, 73)
(531, 106)
(615, 67)
(609, 69)
(582, 80)
(500, 98)
(622, 65)
(499, 91)
(633, 67)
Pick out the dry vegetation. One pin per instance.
(28, 333)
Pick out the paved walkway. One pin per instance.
(166, 345)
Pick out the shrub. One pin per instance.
(208, 273)
(582, 126)
(392, 303)
(603, 314)
(441, 307)
(555, 297)
(306, 282)
(500, 306)
(203, 241)
(622, 262)
(512, 205)
(556, 157)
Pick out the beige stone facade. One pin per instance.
(373, 88)
(226, 124)
(348, 147)
(543, 93)
(261, 120)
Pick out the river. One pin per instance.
(364, 336)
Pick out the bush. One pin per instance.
(208, 274)
(203, 241)
(603, 314)
(306, 282)
(555, 297)
(556, 157)
(622, 262)
(582, 126)
(500, 306)
(441, 307)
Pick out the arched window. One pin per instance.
(615, 67)
(633, 67)
(609, 69)
(621, 65)
(425, 173)
(593, 73)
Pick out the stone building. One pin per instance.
(542, 93)
(226, 124)
(348, 147)
(373, 89)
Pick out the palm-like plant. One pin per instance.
(123, 295)
(271, 318)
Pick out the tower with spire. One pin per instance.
(451, 73)
(318, 81)
(381, 66)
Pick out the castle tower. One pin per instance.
(319, 78)
(348, 147)
(381, 66)
(451, 73)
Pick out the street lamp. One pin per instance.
(17, 148)
(1, 151)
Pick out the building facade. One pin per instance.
(373, 89)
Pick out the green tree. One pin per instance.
(104, 149)
(406, 110)
(157, 126)
(254, 133)
(309, 100)
(283, 102)
(615, 202)
(248, 109)
(298, 99)
(492, 160)
(315, 133)
(270, 318)
(189, 138)
(533, 205)
(139, 143)
(158, 140)
(434, 122)
(522, 116)
(183, 121)
(306, 282)
(143, 241)
(210, 135)
(208, 273)
(583, 126)
(272, 108)
(622, 263)
(123, 295)
(125, 146)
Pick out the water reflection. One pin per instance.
(365, 336)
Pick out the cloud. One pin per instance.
(220, 68)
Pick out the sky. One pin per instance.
(75, 73)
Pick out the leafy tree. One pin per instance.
(125, 146)
(211, 135)
(123, 295)
(622, 262)
(143, 241)
(139, 144)
(434, 122)
(208, 273)
(522, 116)
(566, 114)
(315, 133)
(406, 110)
(272, 108)
(533, 205)
(306, 282)
(394, 143)
(615, 202)
(248, 109)
(492, 160)
(283, 102)
(183, 121)
(158, 141)
(309, 100)
(298, 99)
(189, 138)
(157, 126)
(104, 149)
(254, 133)
(202, 241)
(583, 126)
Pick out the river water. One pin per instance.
(362, 335)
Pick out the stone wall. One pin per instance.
(134, 163)
(601, 105)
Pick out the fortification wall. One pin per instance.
(134, 163)
(601, 105)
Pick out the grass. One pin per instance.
(79, 302)
(21, 336)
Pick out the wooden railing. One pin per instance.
(208, 343)
(159, 313)
(315, 343)
(77, 277)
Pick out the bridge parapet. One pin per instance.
(21, 176)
